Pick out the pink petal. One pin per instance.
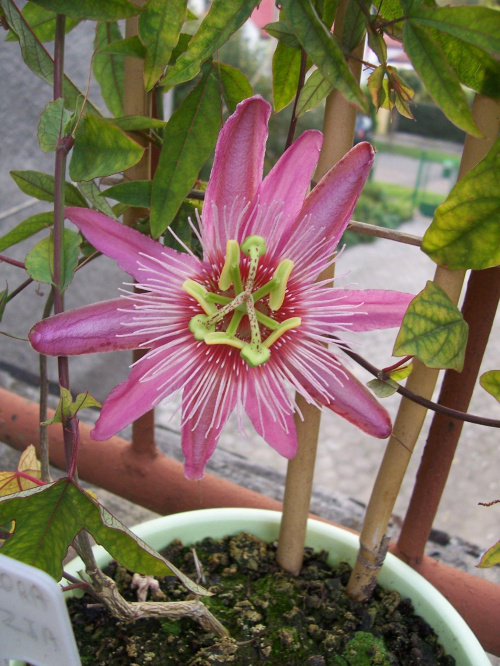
(202, 427)
(290, 178)
(132, 250)
(355, 309)
(85, 330)
(137, 395)
(327, 381)
(328, 209)
(237, 169)
(278, 429)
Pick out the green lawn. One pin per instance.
(417, 153)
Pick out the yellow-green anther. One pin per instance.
(255, 354)
(280, 278)
(230, 273)
(252, 243)
(221, 338)
(200, 326)
(198, 292)
(287, 325)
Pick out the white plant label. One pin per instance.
(34, 621)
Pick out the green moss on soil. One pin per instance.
(273, 618)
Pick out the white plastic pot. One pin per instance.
(454, 634)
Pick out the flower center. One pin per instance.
(222, 325)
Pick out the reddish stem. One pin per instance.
(12, 262)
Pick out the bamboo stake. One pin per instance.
(409, 421)
(338, 133)
(137, 102)
(479, 310)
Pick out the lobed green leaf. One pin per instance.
(474, 67)
(323, 50)
(189, 137)
(66, 408)
(465, 232)
(41, 186)
(91, 192)
(159, 28)
(42, 23)
(477, 25)
(136, 193)
(101, 150)
(26, 229)
(286, 74)
(39, 261)
(48, 518)
(221, 21)
(355, 20)
(235, 85)
(434, 330)
(108, 68)
(131, 46)
(52, 123)
(135, 123)
(282, 31)
(92, 10)
(490, 381)
(314, 91)
(441, 81)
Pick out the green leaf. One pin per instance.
(315, 89)
(159, 28)
(283, 32)
(136, 193)
(67, 409)
(51, 126)
(41, 186)
(109, 69)
(222, 20)
(37, 57)
(434, 330)
(40, 261)
(378, 90)
(490, 381)
(355, 21)
(101, 150)
(91, 192)
(442, 83)
(474, 67)
(477, 25)
(26, 229)
(490, 557)
(465, 232)
(135, 123)
(286, 73)
(235, 85)
(323, 50)
(42, 23)
(382, 388)
(131, 46)
(48, 518)
(92, 10)
(188, 140)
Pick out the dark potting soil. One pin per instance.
(273, 618)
